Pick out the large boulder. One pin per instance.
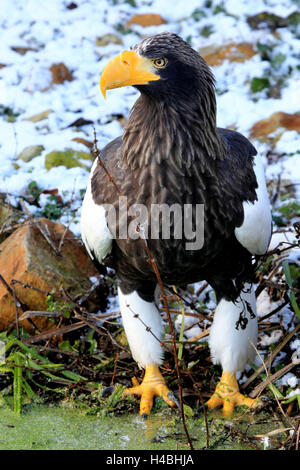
(27, 256)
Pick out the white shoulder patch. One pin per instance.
(255, 232)
(94, 230)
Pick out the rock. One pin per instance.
(151, 19)
(27, 257)
(80, 122)
(215, 55)
(40, 116)
(30, 152)
(10, 218)
(72, 6)
(263, 19)
(108, 38)
(60, 73)
(23, 50)
(68, 158)
(265, 127)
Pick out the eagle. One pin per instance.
(172, 168)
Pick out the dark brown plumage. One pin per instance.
(172, 152)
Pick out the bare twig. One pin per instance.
(63, 237)
(9, 289)
(272, 356)
(16, 310)
(41, 229)
(39, 313)
(295, 437)
(177, 311)
(276, 310)
(57, 332)
(260, 388)
(84, 316)
(201, 335)
(17, 302)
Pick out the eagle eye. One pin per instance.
(159, 63)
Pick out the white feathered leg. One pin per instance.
(232, 344)
(139, 317)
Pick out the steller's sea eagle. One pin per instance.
(171, 154)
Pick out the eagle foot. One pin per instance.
(227, 394)
(152, 385)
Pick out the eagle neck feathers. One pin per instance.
(181, 133)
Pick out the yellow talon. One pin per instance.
(227, 394)
(152, 385)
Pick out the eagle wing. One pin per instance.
(247, 173)
(96, 235)
(256, 231)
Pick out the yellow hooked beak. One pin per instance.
(128, 68)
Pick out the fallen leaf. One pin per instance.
(60, 73)
(69, 158)
(54, 192)
(80, 122)
(146, 19)
(40, 116)
(85, 142)
(215, 55)
(30, 152)
(72, 6)
(23, 50)
(265, 127)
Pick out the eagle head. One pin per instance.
(162, 66)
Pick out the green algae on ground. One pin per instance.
(60, 427)
(43, 427)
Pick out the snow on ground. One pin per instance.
(57, 34)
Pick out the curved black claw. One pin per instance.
(107, 391)
(263, 402)
(200, 410)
